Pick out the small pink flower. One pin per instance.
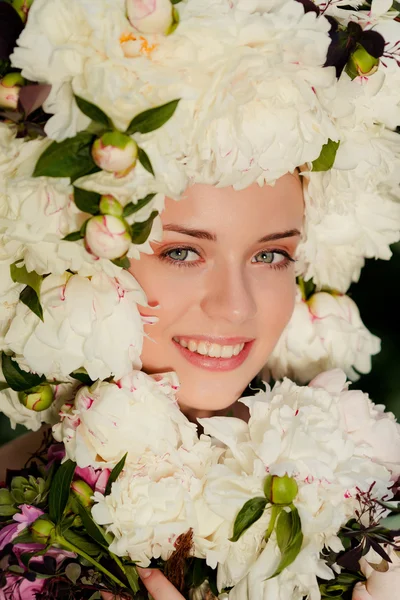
(28, 515)
(10, 86)
(96, 478)
(19, 588)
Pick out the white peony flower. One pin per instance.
(97, 428)
(367, 424)
(158, 498)
(233, 140)
(150, 16)
(324, 332)
(349, 217)
(18, 414)
(92, 323)
(297, 431)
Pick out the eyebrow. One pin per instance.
(207, 235)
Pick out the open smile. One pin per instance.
(208, 353)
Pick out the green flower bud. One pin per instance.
(361, 63)
(37, 398)
(42, 530)
(110, 206)
(22, 7)
(83, 492)
(280, 490)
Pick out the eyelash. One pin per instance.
(281, 265)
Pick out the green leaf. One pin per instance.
(17, 379)
(70, 158)
(145, 161)
(131, 208)
(115, 474)
(152, 119)
(91, 528)
(141, 231)
(391, 522)
(289, 538)
(86, 201)
(29, 297)
(250, 512)
(83, 228)
(21, 275)
(25, 537)
(82, 542)
(327, 157)
(7, 510)
(4, 386)
(60, 490)
(82, 376)
(73, 237)
(5, 496)
(132, 577)
(124, 262)
(93, 112)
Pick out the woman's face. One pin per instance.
(223, 277)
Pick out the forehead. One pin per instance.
(227, 210)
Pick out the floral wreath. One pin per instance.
(107, 107)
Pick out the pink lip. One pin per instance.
(216, 364)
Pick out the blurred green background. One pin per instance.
(377, 294)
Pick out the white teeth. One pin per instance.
(192, 346)
(212, 350)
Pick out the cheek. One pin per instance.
(275, 305)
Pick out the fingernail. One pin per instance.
(144, 573)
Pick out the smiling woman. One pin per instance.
(222, 285)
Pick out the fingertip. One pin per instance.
(144, 573)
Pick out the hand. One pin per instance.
(156, 584)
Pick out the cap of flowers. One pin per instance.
(138, 100)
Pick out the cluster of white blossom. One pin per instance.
(325, 332)
(334, 442)
(159, 494)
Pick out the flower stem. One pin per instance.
(275, 510)
(63, 542)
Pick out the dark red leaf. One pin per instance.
(31, 97)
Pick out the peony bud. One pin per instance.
(361, 63)
(115, 152)
(107, 236)
(152, 16)
(22, 7)
(83, 492)
(110, 206)
(37, 398)
(280, 490)
(42, 530)
(10, 86)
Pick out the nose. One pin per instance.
(228, 295)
